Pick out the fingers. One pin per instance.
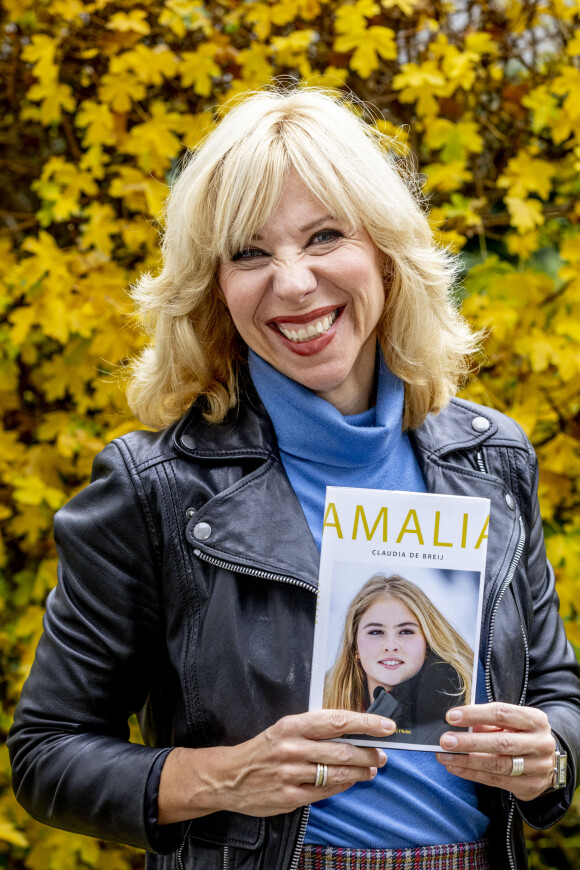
(500, 766)
(295, 785)
(293, 743)
(329, 724)
(501, 733)
(346, 755)
(500, 742)
(495, 771)
(499, 715)
(504, 729)
(338, 777)
(276, 771)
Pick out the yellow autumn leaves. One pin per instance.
(101, 99)
(367, 42)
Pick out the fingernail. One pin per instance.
(387, 725)
(373, 772)
(449, 741)
(382, 758)
(454, 716)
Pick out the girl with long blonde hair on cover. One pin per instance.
(430, 665)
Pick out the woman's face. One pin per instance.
(390, 643)
(307, 295)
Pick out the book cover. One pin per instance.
(399, 609)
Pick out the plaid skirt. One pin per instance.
(456, 856)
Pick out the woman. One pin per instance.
(293, 250)
(429, 669)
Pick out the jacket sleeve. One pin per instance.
(553, 676)
(73, 765)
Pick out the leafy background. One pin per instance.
(99, 100)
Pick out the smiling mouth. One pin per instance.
(306, 332)
(390, 663)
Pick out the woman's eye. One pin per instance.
(375, 632)
(325, 236)
(408, 631)
(248, 254)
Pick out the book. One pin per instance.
(399, 609)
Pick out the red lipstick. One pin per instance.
(312, 346)
(306, 318)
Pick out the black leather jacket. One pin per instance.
(187, 591)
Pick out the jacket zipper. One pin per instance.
(480, 462)
(527, 671)
(508, 832)
(226, 861)
(504, 586)
(181, 848)
(300, 838)
(512, 799)
(254, 572)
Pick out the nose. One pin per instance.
(293, 280)
(390, 644)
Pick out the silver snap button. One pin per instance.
(202, 531)
(480, 424)
(189, 513)
(510, 501)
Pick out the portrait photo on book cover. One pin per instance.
(400, 643)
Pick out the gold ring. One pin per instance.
(321, 776)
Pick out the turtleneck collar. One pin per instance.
(310, 428)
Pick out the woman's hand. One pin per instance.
(273, 772)
(501, 732)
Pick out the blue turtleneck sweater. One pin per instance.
(319, 447)
(413, 800)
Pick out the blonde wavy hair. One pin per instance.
(224, 195)
(345, 686)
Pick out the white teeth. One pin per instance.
(391, 662)
(308, 331)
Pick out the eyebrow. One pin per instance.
(307, 227)
(382, 625)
